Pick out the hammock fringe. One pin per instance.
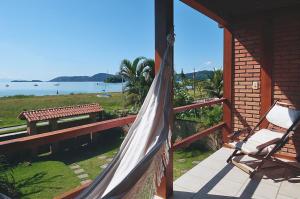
(147, 185)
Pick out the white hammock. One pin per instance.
(139, 165)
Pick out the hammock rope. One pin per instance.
(138, 167)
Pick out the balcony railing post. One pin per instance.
(227, 77)
(164, 26)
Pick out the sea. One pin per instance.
(55, 88)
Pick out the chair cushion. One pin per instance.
(253, 144)
(282, 116)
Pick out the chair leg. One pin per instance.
(232, 155)
(258, 167)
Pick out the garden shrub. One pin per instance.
(7, 182)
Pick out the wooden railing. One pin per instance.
(197, 136)
(56, 136)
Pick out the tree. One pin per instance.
(138, 75)
(214, 84)
(182, 76)
(212, 115)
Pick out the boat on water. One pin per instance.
(104, 94)
(57, 84)
(35, 85)
(107, 95)
(7, 85)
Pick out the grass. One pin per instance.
(92, 165)
(11, 107)
(50, 176)
(44, 179)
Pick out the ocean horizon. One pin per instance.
(53, 88)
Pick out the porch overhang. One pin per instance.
(229, 11)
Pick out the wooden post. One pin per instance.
(227, 78)
(53, 124)
(94, 117)
(266, 69)
(31, 128)
(53, 127)
(163, 26)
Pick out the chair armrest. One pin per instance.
(236, 134)
(264, 145)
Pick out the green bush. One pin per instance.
(210, 117)
(7, 182)
(181, 95)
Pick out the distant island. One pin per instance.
(26, 80)
(100, 77)
(199, 75)
(109, 78)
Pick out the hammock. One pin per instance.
(138, 167)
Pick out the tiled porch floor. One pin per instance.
(214, 178)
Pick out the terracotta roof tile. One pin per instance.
(54, 113)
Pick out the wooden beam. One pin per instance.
(266, 69)
(227, 81)
(197, 136)
(73, 193)
(206, 11)
(164, 25)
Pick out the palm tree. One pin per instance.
(214, 85)
(139, 75)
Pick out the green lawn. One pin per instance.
(50, 176)
(44, 179)
(92, 165)
(10, 107)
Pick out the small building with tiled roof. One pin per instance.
(54, 114)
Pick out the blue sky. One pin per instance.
(49, 38)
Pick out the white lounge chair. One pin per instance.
(262, 144)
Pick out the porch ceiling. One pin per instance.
(229, 10)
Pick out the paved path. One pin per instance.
(80, 173)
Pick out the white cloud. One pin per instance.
(208, 63)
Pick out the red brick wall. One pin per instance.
(247, 50)
(286, 68)
(285, 71)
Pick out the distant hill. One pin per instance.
(199, 75)
(100, 77)
(27, 80)
(114, 79)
